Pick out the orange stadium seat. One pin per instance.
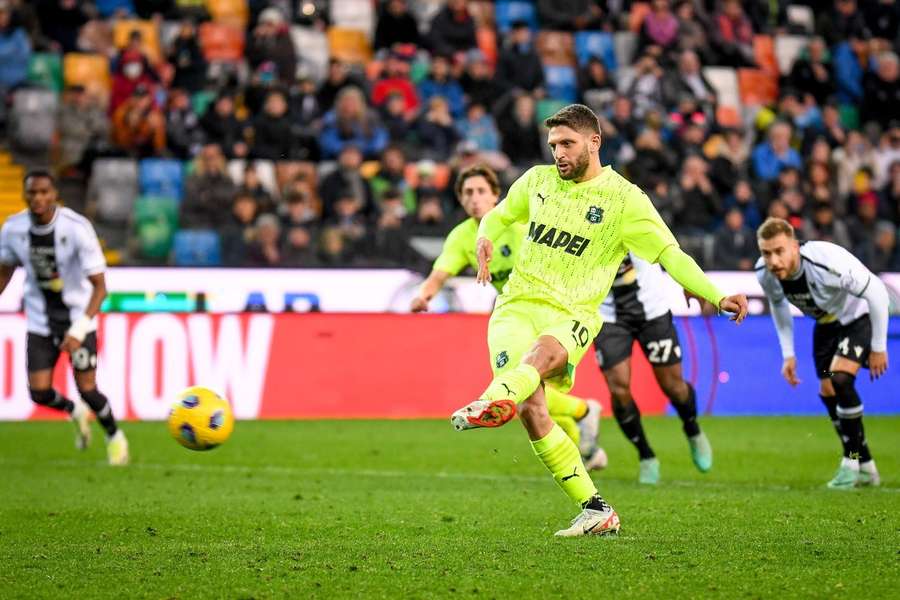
(487, 43)
(757, 87)
(149, 34)
(764, 53)
(88, 70)
(636, 17)
(556, 48)
(229, 12)
(349, 45)
(221, 42)
(728, 116)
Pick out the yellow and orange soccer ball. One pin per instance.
(200, 419)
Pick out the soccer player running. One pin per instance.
(478, 190)
(582, 220)
(64, 288)
(850, 306)
(635, 309)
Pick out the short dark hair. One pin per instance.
(480, 170)
(575, 116)
(41, 174)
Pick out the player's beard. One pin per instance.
(579, 168)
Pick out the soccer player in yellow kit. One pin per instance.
(582, 218)
(478, 190)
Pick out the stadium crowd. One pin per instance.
(309, 133)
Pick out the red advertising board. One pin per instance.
(303, 366)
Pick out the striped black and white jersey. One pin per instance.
(636, 293)
(58, 258)
(831, 285)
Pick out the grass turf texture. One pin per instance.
(412, 509)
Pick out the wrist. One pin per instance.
(80, 328)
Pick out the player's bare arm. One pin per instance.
(485, 251)
(79, 329)
(878, 364)
(789, 371)
(429, 288)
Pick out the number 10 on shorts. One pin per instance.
(580, 334)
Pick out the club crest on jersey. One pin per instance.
(505, 250)
(501, 359)
(594, 215)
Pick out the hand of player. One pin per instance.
(789, 371)
(69, 344)
(878, 364)
(418, 304)
(737, 305)
(485, 250)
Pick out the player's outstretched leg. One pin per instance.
(849, 412)
(497, 405)
(684, 400)
(77, 413)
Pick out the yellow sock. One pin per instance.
(516, 384)
(560, 455)
(565, 405)
(569, 426)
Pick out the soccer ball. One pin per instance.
(200, 419)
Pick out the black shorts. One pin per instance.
(43, 352)
(657, 337)
(852, 341)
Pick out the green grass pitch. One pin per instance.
(411, 509)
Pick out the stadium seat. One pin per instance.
(108, 8)
(441, 178)
(801, 17)
(89, 70)
(45, 70)
(561, 82)
(161, 177)
(32, 121)
(545, 108)
(482, 12)
(757, 87)
(849, 116)
(556, 48)
(625, 44)
(114, 189)
(728, 116)
(724, 81)
(787, 48)
(229, 12)
(636, 16)
(507, 12)
(201, 101)
(221, 42)
(487, 43)
(287, 170)
(265, 169)
(196, 248)
(149, 36)
(764, 53)
(156, 220)
(312, 51)
(349, 45)
(354, 14)
(599, 44)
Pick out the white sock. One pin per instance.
(852, 463)
(868, 467)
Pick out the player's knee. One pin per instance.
(620, 392)
(546, 358)
(673, 387)
(532, 409)
(44, 397)
(844, 386)
(825, 387)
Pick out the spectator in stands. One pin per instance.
(812, 71)
(795, 202)
(659, 29)
(519, 66)
(436, 132)
(452, 29)
(348, 218)
(666, 199)
(831, 130)
(138, 126)
(624, 119)
(272, 133)
(222, 127)
(388, 241)
(882, 19)
(271, 41)
(61, 21)
(819, 184)
(397, 122)
(801, 111)
(735, 244)
(688, 80)
(478, 81)
(693, 31)
(850, 60)
(733, 35)
(82, 126)
(184, 136)
(520, 135)
(396, 80)
(396, 26)
(597, 88)
(352, 123)
(298, 209)
(771, 156)
(347, 180)
(252, 186)
(573, 15)
(339, 77)
(865, 228)
(824, 226)
(652, 159)
(237, 232)
(479, 127)
(185, 55)
(15, 50)
(744, 200)
(297, 249)
(430, 218)
(856, 154)
(881, 91)
(391, 176)
(645, 90)
(842, 22)
(131, 69)
(263, 81)
(701, 206)
(265, 249)
(208, 191)
(334, 249)
(304, 103)
(890, 195)
(730, 160)
(440, 82)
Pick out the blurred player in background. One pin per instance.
(850, 305)
(583, 218)
(64, 288)
(636, 309)
(478, 190)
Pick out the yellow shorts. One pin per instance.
(516, 325)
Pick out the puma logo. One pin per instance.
(542, 198)
(574, 474)
(508, 391)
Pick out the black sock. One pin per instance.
(629, 419)
(864, 454)
(596, 503)
(849, 411)
(52, 399)
(687, 411)
(830, 403)
(100, 405)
